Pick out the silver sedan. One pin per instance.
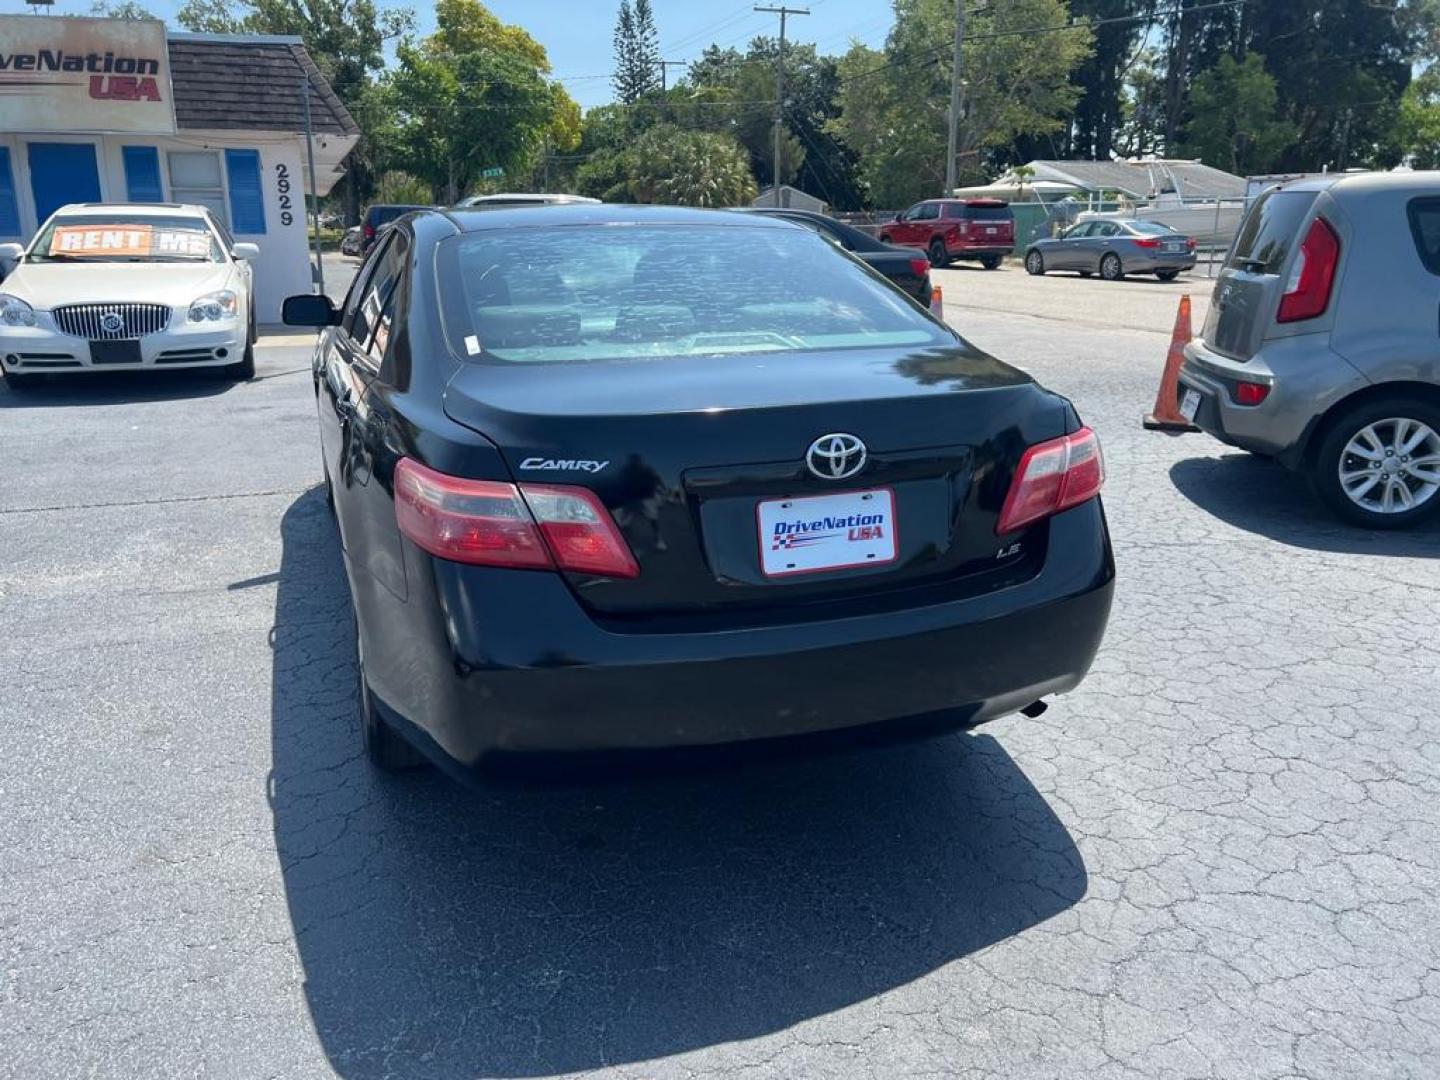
(1113, 249)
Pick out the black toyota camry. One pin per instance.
(634, 477)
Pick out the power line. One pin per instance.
(925, 56)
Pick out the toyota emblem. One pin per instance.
(836, 456)
(112, 322)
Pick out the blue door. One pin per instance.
(62, 173)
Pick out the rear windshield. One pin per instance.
(576, 293)
(1149, 228)
(983, 213)
(1269, 229)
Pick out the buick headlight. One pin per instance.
(213, 307)
(15, 312)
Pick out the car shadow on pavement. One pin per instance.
(531, 929)
(118, 388)
(1261, 496)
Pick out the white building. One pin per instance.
(97, 110)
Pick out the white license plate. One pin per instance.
(826, 532)
(1174, 247)
(991, 232)
(1190, 404)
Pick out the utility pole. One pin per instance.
(664, 66)
(319, 273)
(782, 11)
(951, 149)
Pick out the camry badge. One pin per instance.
(836, 456)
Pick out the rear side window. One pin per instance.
(1150, 228)
(1269, 230)
(1424, 217)
(569, 294)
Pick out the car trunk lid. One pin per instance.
(685, 452)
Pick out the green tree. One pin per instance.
(1416, 139)
(1119, 40)
(119, 9)
(894, 101)
(1234, 125)
(689, 168)
(734, 92)
(474, 95)
(637, 52)
(1340, 68)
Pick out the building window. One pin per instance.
(196, 177)
(142, 174)
(9, 206)
(247, 201)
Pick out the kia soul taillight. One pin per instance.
(1053, 476)
(1307, 293)
(523, 527)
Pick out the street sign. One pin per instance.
(492, 172)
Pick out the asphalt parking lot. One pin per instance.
(1217, 858)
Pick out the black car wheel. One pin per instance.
(386, 750)
(1167, 275)
(990, 262)
(1034, 263)
(1110, 268)
(1378, 465)
(938, 256)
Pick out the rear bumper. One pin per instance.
(1161, 261)
(483, 660)
(977, 250)
(1305, 378)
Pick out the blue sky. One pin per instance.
(576, 33)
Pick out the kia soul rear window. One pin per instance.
(1269, 230)
(577, 293)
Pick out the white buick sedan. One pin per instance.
(122, 286)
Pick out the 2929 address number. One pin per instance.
(282, 185)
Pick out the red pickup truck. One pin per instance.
(947, 229)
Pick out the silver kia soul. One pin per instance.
(1322, 345)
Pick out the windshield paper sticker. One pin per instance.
(128, 241)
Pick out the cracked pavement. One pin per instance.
(1217, 858)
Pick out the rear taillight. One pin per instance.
(1053, 476)
(1307, 293)
(493, 523)
(1190, 242)
(369, 231)
(920, 267)
(1146, 241)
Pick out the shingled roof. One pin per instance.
(251, 83)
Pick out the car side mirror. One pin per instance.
(309, 309)
(11, 251)
(246, 251)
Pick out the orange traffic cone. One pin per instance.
(1166, 415)
(937, 302)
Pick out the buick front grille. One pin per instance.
(111, 322)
